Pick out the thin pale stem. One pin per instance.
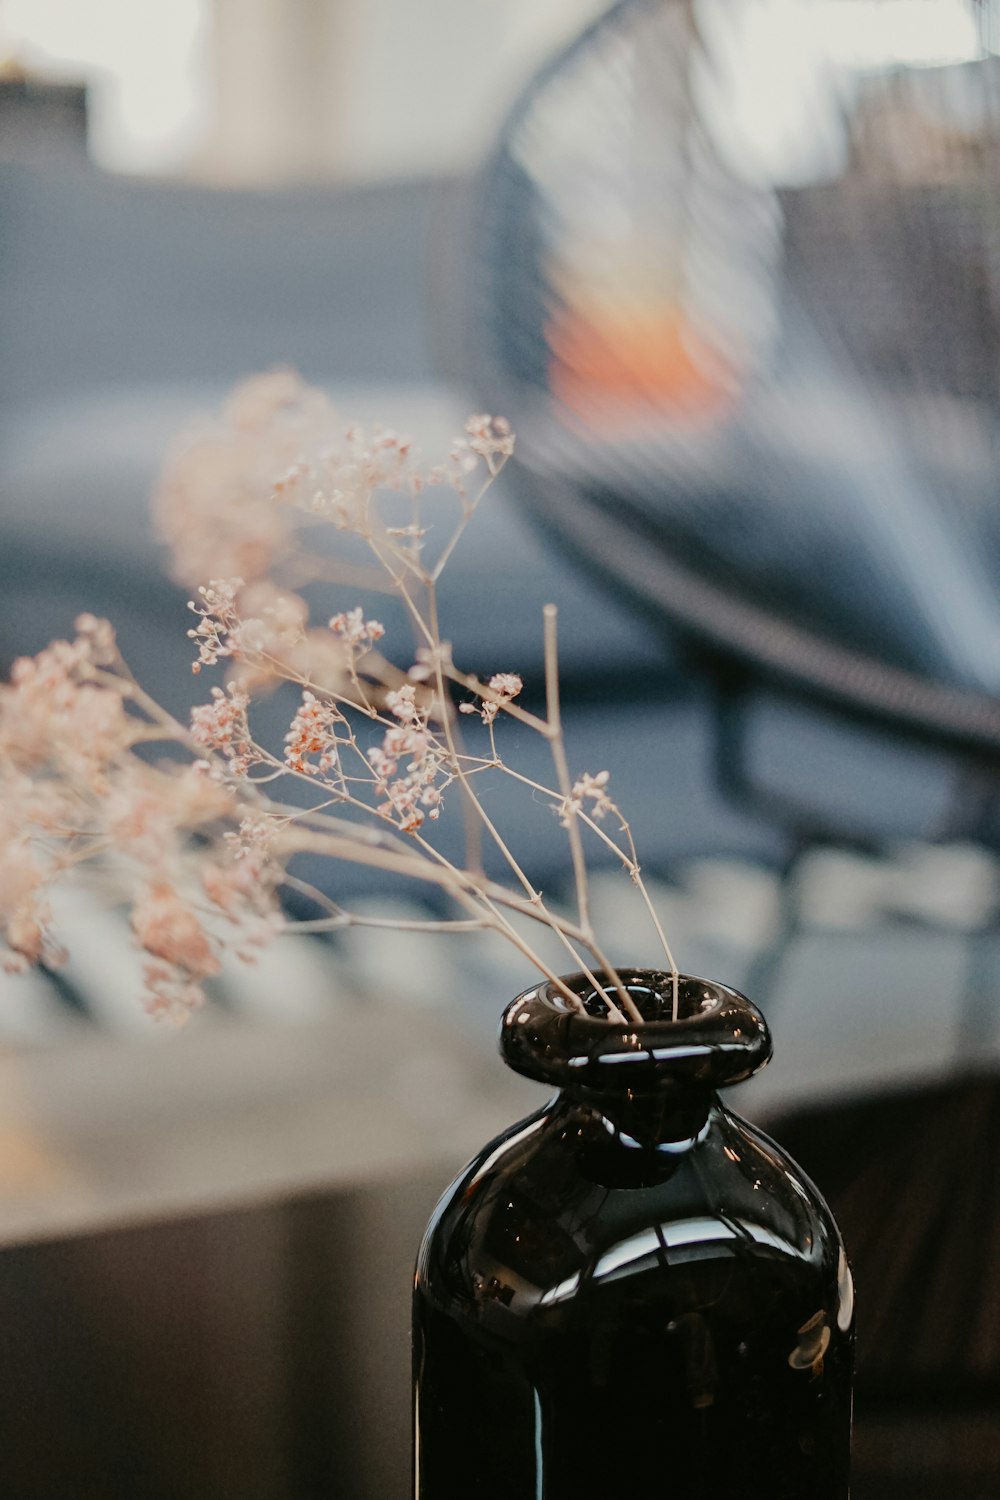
(558, 748)
(636, 876)
(423, 629)
(469, 509)
(446, 925)
(428, 629)
(390, 856)
(503, 926)
(339, 917)
(565, 933)
(448, 729)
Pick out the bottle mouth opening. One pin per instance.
(715, 1038)
(658, 995)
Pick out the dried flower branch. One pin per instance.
(181, 822)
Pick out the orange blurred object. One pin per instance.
(621, 364)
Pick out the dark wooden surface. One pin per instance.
(262, 1354)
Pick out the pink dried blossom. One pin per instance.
(357, 632)
(592, 789)
(313, 732)
(402, 702)
(488, 436)
(148, 810)
(319, 658)
(409, 763)
(255, 838)
(24, 913)
(73, 789)
(408, 792)
(270, 621)
(273, 397)
(139, 821)
(454, 473)
(337, 481)
(428, 660)
(169, 930)
(243, 885)
(219, 618)
(194, 798)
(222, 725)
(215, 507)
(506, 685)
(397, 744)
(230, 886)
(170, 994)
(263, 631)
(59, 712)
(99, 636)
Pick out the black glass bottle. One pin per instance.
(633, 1292)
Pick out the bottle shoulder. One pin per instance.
(549, 1202)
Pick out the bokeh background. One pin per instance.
(732, 267)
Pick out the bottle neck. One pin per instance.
(668, 1122)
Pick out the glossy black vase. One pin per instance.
(633, 1293)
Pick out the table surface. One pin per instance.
(113, 1131)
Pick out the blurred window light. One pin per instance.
(899, 33)
(772, 87)
(779, 76)
(145, 62)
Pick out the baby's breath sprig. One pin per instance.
(200, 846)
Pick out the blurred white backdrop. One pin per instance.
(257, 91)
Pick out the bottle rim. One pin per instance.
(719, 1038)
